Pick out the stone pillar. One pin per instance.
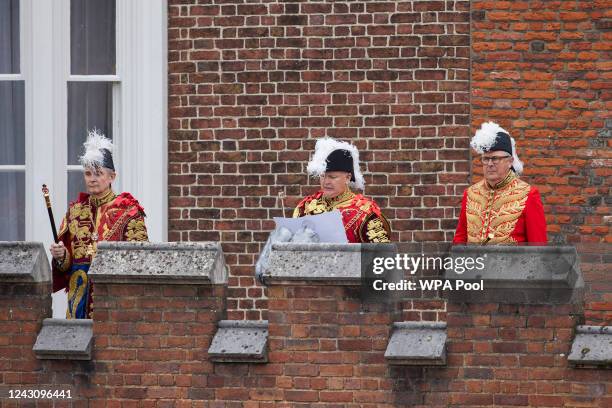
(156, 308)
(509, 343)
(25, 300)
(330, 342)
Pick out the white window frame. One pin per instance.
(139, 108)
(8, 168)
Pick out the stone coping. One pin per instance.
(321, 263)
(519, 274)
(170, 262)
(529, 264)
(23, 262)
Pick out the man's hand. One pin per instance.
(58, 251)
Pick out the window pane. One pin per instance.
(12, 206)
(76, 184)
(12, 122)
(92, 37)
(9, 36)
(90, 105)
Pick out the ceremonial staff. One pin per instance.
(281, 197)
(45, 191)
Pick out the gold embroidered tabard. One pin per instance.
(88, 221)
(322, 204)
(362, 218)
(492, 212)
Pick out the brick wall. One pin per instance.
(22, 308)
(150, 343)
(542, 70)
(253, 85)
(598, 283)
(151, 340)
(326, 348)
(516, 355)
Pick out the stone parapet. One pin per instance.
(170, 262)
(519, 274)
(23, 262)
(314, 263)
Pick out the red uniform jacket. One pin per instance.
(90, 220)
(510, 213)
(363, 221)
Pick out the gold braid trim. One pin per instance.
(321, 205)
(100, 201)
(474, 209)
(496, 210)
(120, 223)
(353, 220)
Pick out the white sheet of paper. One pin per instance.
(328, 226)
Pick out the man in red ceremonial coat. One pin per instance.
(98, 215)
(337, 165)
(501, 209)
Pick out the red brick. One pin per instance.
(336, 396)
(301, 396)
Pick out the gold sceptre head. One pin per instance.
(45, 191)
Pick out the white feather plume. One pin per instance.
(485, 138)
(93, 156)
(517, 165)
(323, 148)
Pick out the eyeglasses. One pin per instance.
(493, 160)
(329, 176)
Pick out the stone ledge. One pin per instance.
(240, 341)
(318, 263)
(592, 347)
(520, 274)
(64, 339)
(417, 343)
(23, 262)
(321, 263)
(169, 262)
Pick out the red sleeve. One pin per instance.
(300, 208)
(535, 222)
(461, 232)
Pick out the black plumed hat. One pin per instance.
(340, 160)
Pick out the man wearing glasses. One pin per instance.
(501, 209)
